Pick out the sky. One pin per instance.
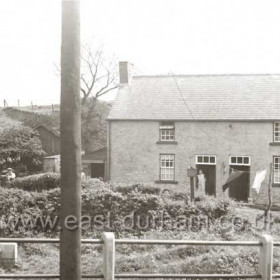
(157, 36)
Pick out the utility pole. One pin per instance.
(70, 145)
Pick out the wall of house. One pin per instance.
(50, 142)
(134, 152)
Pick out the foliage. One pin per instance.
(99, 197)
(93, 119)
(94, 126)
(118, 208)
(21, 149)
(37, 182)
(40, 115)
(142, 188)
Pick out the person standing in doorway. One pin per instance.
(201, 182)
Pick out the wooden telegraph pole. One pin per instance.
(70, 145)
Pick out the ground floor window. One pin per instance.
(167, 167)
(276, 170)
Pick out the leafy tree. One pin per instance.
(21, 149)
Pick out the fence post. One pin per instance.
(108, 255)
(266, 257)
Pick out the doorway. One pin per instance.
(97, 170)
(239, 188)
(209, 172)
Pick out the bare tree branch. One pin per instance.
(98, 75)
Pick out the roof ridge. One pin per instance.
(205, 75)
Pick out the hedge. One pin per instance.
(37, 182)
(103, 200)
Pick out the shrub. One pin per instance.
(20, 210)
(140, 188)
(37, 182)
(20, 149)
(215, 207)
(94, 184)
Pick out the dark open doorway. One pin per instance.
(209, 172)
(97, 170)
(240, 187)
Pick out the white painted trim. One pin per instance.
(274, 132)
(240, 164)
(206, 163)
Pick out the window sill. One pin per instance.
(274, 185)
(165, 182)
(167, 142)
(274, 143)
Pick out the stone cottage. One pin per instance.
(160, 126)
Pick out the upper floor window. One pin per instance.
(276, 170)
(167, 167)
(276, 132)
(167, 132)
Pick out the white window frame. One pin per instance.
(276, 129)
(167, 132)
(206, 159)
(276, 170)
(242, 160)
(167, 173)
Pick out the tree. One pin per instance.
(98, 75)
(21, 149)
(94, 125)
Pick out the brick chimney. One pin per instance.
(125, 72)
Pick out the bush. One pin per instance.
(37, 182)
(21, 149)
(140, 188)
(215, 207)
(21, 211)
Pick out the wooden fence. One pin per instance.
(109, 243)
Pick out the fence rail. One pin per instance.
(108, 241)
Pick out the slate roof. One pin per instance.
(53, 131)
(199, 97)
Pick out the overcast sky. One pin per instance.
(157, 36)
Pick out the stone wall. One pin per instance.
(134, 152)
